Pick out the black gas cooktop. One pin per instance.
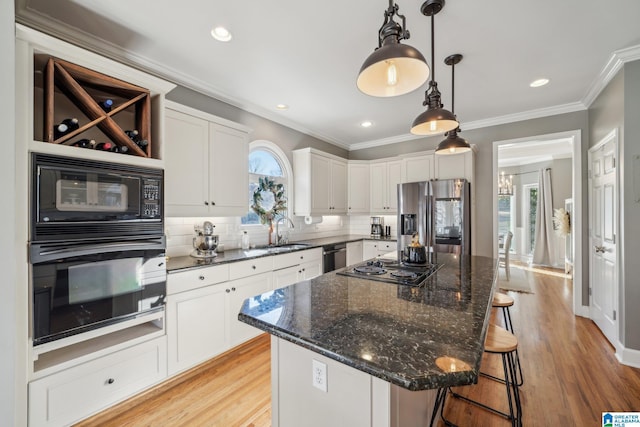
(391, 271)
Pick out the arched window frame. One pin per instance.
(283, 160)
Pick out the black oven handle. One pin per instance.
(44, 252)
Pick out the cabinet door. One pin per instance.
(354, 253)
(309, 270)
(229, 171)
(394, 177)
(358, 187)
(452, 166)
(378, 190)
(195, 326)
(238, 291)
(285, 277)
(386, 247)
(338, 187)
(369, 249)
(320, 184)
(186, 157)
(418, 168)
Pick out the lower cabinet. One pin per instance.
(372, 249)
(237, 291)
(354, 253)
(196, 326)
(78, 392)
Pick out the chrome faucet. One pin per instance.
(279, 239)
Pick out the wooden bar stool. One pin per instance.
(503, 302)
(498, 341)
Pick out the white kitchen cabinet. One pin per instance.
(449, 166)
(206, 164)
(237, 291)
(320, 183)
(418, 168)
(296, 266)
(76, 393)
(196, 326)
(384, 179)
(354, 252)
(374, 248)
(358, 187)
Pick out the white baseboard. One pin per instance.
(582, 311)
(628, 356)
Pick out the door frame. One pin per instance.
(576, 191)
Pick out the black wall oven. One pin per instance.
(80, 288)
(97, 249)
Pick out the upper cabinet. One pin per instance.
(206, 165)
(418, 167)
(320, 183)
(450, 166)
(358, 187)
(80, 104)
(384, 179)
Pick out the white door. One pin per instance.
(603, 206)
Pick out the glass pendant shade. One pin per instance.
(434, 121)
(393, 69)
(453, 144)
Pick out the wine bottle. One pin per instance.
(84, 143)
(143, 144)
(64, 127)
(134, 135)
(106, 105)
(104, 146)
(115, 149)
(125, 150)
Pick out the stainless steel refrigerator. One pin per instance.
(439, 211)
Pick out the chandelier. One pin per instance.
(505, 185)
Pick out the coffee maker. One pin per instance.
(377, 226)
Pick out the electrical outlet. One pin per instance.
(319, 379)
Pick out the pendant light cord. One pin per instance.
(453, 88)
(433, 64)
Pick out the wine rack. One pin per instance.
(84, 88)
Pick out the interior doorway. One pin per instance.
(521, 159)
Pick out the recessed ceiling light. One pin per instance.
(366, 124)
(282, 107)
(539, 82)
(221, 34)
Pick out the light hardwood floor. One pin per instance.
(571, 377)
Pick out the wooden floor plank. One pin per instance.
(571, 376)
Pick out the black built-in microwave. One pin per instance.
(78, 199)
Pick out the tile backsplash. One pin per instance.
(180, 230)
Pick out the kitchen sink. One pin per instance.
(282, 248)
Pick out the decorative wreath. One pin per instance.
(562, 222)
(280, 202)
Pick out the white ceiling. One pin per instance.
(307, 55)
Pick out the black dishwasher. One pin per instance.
(334, 257)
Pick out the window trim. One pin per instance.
(279, 154)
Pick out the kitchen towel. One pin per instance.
(312, 220)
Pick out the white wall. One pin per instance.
(8, 348)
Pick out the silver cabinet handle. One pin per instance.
(600, 249)
(253, 266)
(233, 289)
(201, 277)
(227, 290)
(111, 381)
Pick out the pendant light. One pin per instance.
(393, 68)
(436, 119)
(453, 144)
(505, 185)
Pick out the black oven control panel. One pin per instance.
(151, 193)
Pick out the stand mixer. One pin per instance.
(205, 242)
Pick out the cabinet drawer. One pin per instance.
(78, 392)
(250, 267)
(196, 278)
(295, 258)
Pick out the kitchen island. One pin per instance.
(352, 351)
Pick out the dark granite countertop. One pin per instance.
(232, 255)
(415, 337)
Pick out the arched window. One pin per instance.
(266, 159)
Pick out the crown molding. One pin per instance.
(608, 72)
